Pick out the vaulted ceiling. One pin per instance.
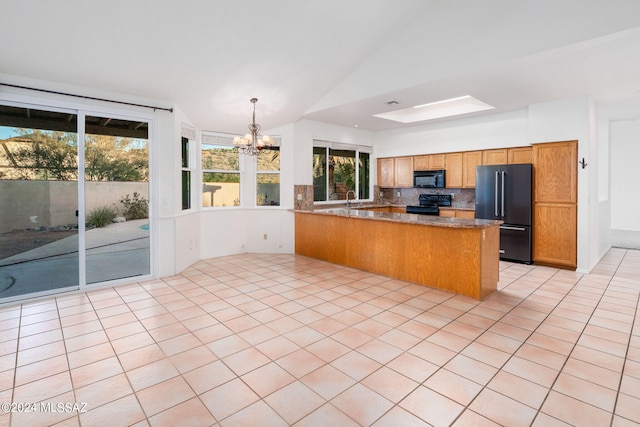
(334, 61)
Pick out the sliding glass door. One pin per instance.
(116, 171)
(38, 201)
(73, 200)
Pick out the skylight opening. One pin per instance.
(436, 110)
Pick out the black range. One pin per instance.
(429, 204)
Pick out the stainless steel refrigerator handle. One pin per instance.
(496, 196)
(502, 194)
(506, 227)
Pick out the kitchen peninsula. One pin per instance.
(453, 254)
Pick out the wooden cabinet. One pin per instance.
(556, 175)
(421, 163)
(555, 238)
(404, 172)
(453, 168)
(386, 172)
(494, 157)
(518, 155)
(395, 172)
(555, 221)
(437, 161)
(429, 162)
(457, 213)
(465, 214)
(503, 156)
(470, 159)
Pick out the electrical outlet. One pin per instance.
(452, 195)
(265, 236)
(299, 196)
(398, 194)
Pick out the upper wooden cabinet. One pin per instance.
(386, 172)
(395, 172)
(470, 159)
(404, 172)
(519, 155)
(453, 168)
(429, 162)
(556, 173)
(494, 157)
(505, 156)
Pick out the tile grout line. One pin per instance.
(586, 323)
(624, 363)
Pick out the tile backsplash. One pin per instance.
(463, 198)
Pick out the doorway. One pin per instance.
(74, 200)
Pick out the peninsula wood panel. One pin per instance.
(460, 260)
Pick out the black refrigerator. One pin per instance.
(503, 192)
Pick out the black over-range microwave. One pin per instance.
(429, 179)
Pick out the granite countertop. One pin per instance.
(363, 213)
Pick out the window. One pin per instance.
(338, 169)
(188, 135)
(268, 177)
(220, 171)
(186, 175)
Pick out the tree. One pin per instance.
(50, 155)
(109, 158)
(53, 155)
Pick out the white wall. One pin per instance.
(305, 131)
(488, 131)
(625, 204)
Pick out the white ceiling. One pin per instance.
(334, 61)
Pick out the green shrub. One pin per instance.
(99, 217)
(135, 207)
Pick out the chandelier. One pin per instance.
(252, 143)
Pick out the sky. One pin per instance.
(6, 132)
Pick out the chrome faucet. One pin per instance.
(347, 196)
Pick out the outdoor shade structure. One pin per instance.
(71, 214)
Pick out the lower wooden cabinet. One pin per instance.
(457, 213)
(555, 240)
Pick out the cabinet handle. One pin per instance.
(496, 196)
(506, 227)
(503, 173)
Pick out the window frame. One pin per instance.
(358, 150)
(257, 172)
(218, 139)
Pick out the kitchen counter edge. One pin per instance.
(405, 218)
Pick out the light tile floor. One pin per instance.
(275, 340)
